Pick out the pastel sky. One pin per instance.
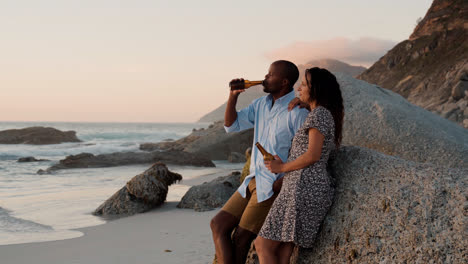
(171, 61)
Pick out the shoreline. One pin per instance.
(141, 238)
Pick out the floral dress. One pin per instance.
(306, 194)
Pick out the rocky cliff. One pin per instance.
(430, 69)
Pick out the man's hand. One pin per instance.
(236, 92)
(230, 115)
(296, 102)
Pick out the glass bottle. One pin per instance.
(266, 155)
(239, 85)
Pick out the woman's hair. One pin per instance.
(325, 90)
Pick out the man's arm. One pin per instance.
(237, 121)
(230, 115)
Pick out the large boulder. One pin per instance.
(380, 119)
(88, 160)
(213, 142)
(389, 210)
(211, 195)
(143, 192)
(430, 69)
(37, 136)
(375, 118)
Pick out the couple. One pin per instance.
(299, 191)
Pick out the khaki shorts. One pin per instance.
(249, 211)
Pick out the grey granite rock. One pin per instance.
(211, 195)
(375, 118)
(236, 157)
(380, 119)
(37, 136)
(213, 143)
(389, 210)
(30, 159)
(143, 192)
(88, 160)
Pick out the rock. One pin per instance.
(432, 65)
(88, 160)
(389, 210)
(211, 195)
(394, 210)
(246, 168)
(213, 143)
(380, 119)
(37, 136)
(42, 172)
(143, 192)
(458, 91)
(375, 118)
(30, 159)
(236, 157)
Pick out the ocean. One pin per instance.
(36, 208)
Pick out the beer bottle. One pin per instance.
(266, 155)
(239, 85)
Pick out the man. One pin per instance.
(274, 128)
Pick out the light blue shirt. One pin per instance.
(274, 128)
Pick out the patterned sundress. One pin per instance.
(306, 194)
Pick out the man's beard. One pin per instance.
(266, 89)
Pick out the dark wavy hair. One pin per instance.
(325, 90)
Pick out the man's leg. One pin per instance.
(251, 222)
(221, 226)
(224, 223)
(242, 240)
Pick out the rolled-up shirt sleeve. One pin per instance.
(245, 120)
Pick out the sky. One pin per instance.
(171, 61)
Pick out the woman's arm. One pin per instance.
(311, 156)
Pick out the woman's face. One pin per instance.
(304, 90)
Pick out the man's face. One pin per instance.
(273, 80)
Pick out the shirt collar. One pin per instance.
(285, 99)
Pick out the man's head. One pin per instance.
(282, 75)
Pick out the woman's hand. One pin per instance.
(296, 102)
(275, 166)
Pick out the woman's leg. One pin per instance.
(267, 250)
(284, 252)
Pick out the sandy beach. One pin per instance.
(165, 234)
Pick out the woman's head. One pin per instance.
(320, 85)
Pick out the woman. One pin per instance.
(307, 193)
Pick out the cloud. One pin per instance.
(364, 51)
